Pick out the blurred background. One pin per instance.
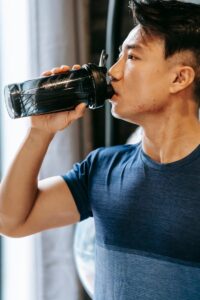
(36, 36)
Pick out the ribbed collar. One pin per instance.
(169, 166)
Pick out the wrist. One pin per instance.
(40, 135)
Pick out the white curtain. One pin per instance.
(59, 35)
(17, 254)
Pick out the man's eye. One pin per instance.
(131, 56)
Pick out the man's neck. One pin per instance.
(172, 139)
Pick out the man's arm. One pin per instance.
(54, 206)
(27, 206)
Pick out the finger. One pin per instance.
(64, 68)
(80, 110)
(76, 67)
(46, 73)
(81, 107)
(56, 70)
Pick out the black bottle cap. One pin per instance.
(110, 91)
(102, 90)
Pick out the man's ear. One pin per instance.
(182, 77)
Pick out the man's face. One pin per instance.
(140, 77)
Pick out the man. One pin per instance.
(145, 198)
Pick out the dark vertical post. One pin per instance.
(113, 31)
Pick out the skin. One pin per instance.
(26, 205)
(151, 91)
(156, 93)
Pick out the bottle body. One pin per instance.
(58, 92)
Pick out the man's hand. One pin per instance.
(51, 123)
(27, 207)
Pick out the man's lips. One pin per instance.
(115, 95)
(115, 91)
(114, 98)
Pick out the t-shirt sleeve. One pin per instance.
(77, 180)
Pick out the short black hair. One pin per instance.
(177, 23)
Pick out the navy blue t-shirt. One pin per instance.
(147, 221)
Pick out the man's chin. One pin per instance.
(116, 113)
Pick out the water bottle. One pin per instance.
(60, 92)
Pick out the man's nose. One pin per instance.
(116, 71)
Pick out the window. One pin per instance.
(17, 254)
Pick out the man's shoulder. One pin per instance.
(114, 152)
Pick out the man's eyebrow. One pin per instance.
(131, 46)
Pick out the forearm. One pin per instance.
(19, 187)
